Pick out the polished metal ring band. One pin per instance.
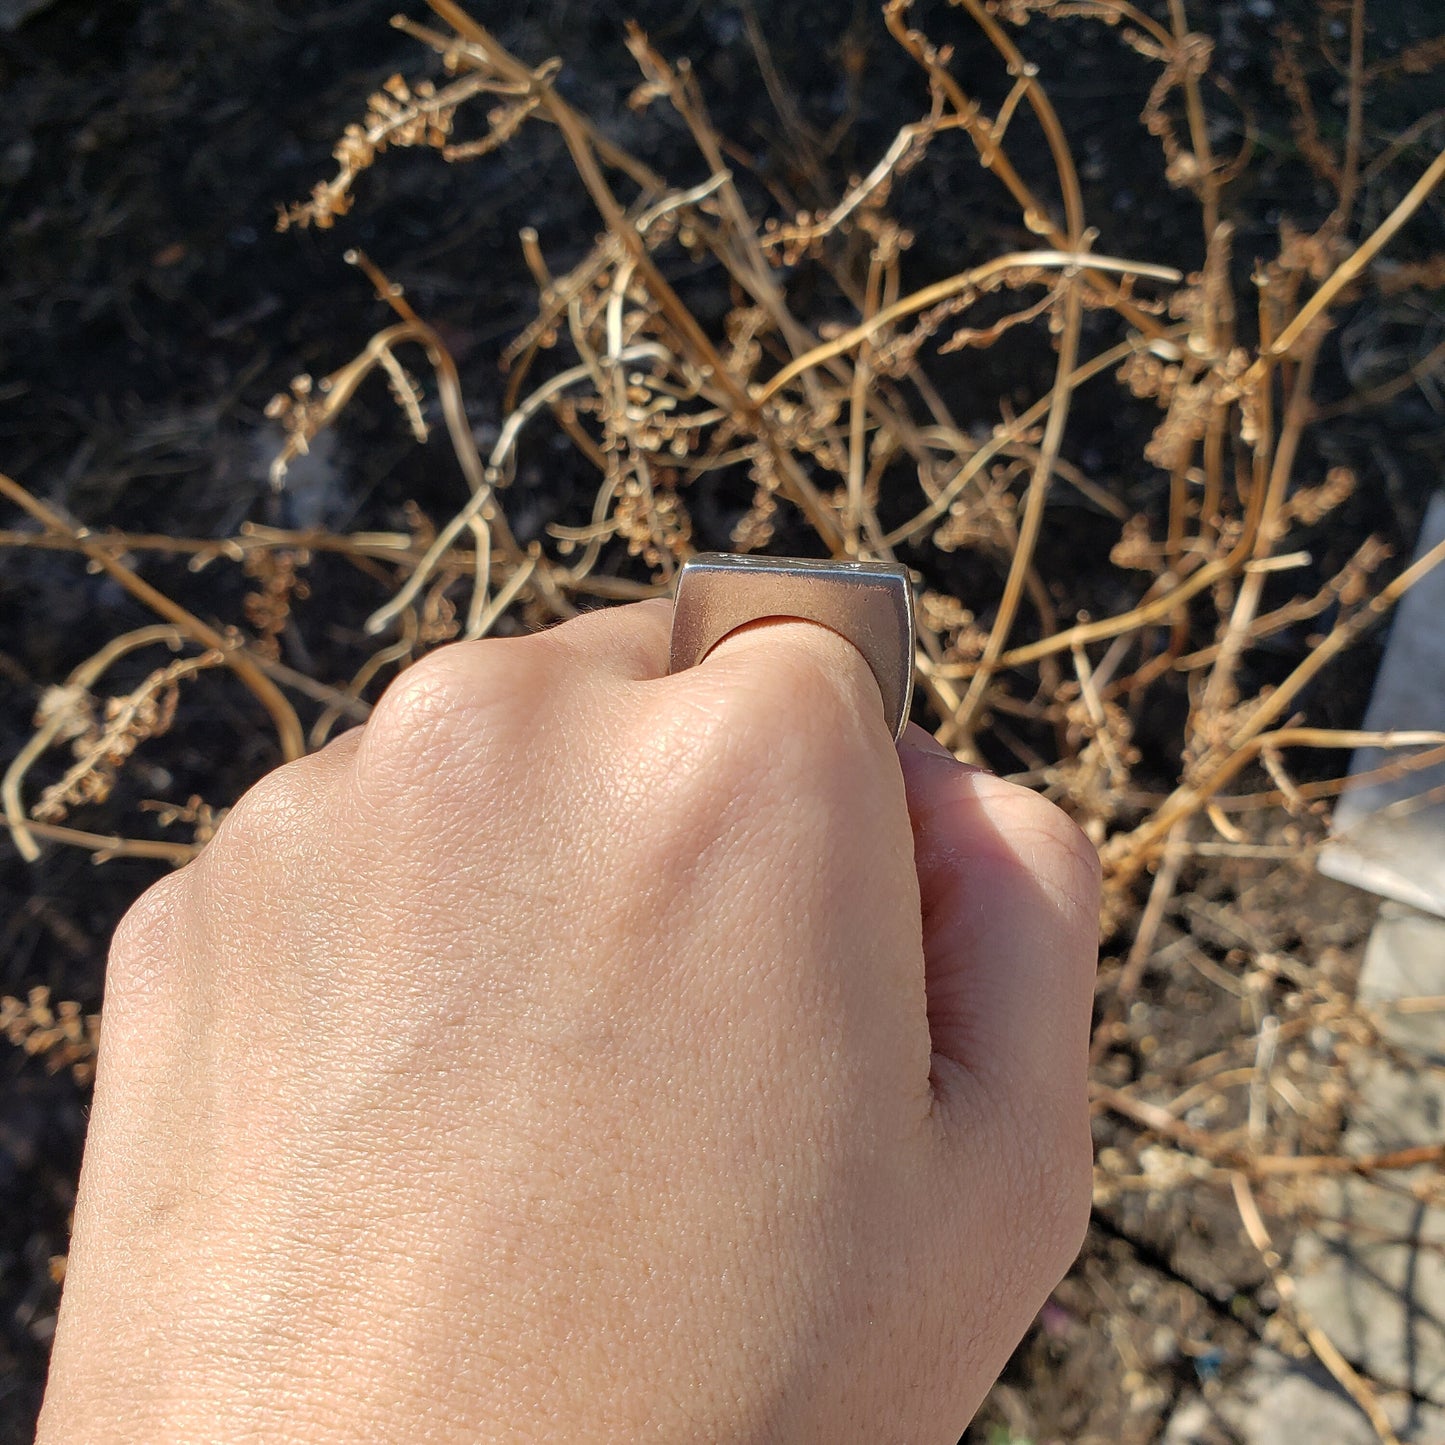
(869, 603)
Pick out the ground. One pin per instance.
(149, 309)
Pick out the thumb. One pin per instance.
(1009, 888)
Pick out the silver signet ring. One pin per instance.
(868, 603)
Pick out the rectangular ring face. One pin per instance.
(868, 603)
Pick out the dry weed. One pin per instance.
(60, 1034)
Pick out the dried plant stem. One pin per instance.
(1354, 265)
(579, 146)
(857, 412)
(1326, 1351)
(1354, 123)
(488, 524)
(1339, 638)
(81, 680)
(1044, 113)
(1136, 848)
(961, 725)
(382, 657)
(105, 846)
(1236, 635)
(310, 687)
(1331, 787)
(481, 502)
(1163, 1120)
(995, 160)
(1161, 892)
(938, 291)
(1157, 609)
(288, 727)
(1198, 127)
(1000, 440)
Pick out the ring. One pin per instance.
(870, 604)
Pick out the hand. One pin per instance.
(577, 1052)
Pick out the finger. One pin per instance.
(814, 672)
(797, 727)
(618, 644)
(923, 741)
(1009, 890)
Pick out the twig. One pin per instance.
(952, 286)
(80, 681)
(1326, 1351)
(1353, 266)
(288, 726)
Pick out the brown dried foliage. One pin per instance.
(60, 1034)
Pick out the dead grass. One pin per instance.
(841, 428)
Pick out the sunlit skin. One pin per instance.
(579, 1052)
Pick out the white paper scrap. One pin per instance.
(1389, 836)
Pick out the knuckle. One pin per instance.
(824, 687)
(791, 713)
(685, 756)
(724, 745)
(144, 943)
(268, 816)
(632, 638)
(273, 834)
(150, 919)
(467, 692)
(421, 701)
(687, 780)
(1066, 862)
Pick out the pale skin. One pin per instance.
(577, 1052)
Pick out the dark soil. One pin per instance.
(148, 310)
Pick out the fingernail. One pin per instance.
(923, 742)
